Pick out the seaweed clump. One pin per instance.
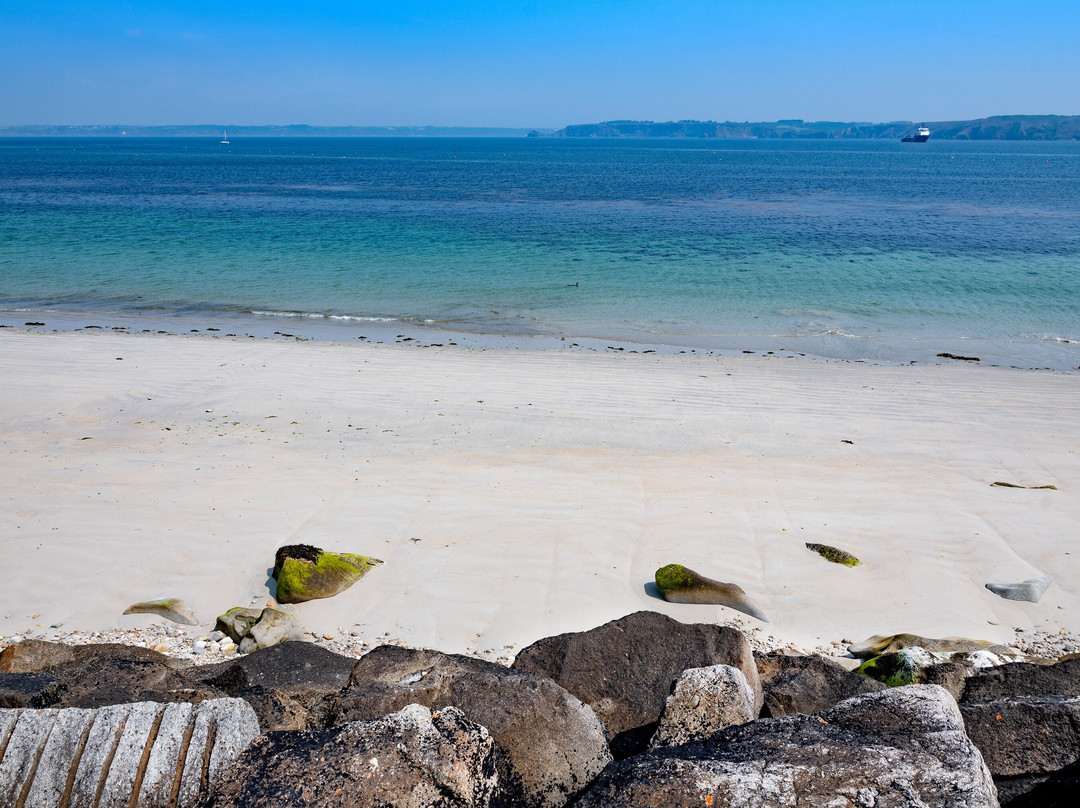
(834, 554)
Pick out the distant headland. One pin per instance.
(997, 127)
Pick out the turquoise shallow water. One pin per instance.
(850, 249)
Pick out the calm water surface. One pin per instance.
(849, 249)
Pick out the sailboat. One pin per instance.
(225, 135)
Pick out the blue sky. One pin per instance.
(524, 64)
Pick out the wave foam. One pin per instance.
(318, 316)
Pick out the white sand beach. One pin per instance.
(518, 494)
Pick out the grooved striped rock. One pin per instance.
(146, 754)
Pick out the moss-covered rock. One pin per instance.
(679, 584)
(237, 622)
(170, 608)
(306, 573)
(899, 668)
(834, 554)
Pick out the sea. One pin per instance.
(874, 251)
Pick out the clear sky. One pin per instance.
(545, 63)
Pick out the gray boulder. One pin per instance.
(807, 684)
(146, 755)
(624, 669)
(704, 701)
(412, 757)
(552, 746)
(899, 747)
(1030, 590)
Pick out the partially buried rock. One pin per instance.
(679, 584)
(252, 629)
(236, 623)
(1030, 590)
(306, 573)
(170, 608)
(834, 554)
(882, 644)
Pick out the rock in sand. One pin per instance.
(679, 584)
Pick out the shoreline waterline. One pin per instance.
(1036, 352)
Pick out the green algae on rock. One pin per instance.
(679, 584)
(306, 573)
(898, 668)
(834, 554)
(170, 608)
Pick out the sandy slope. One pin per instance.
(517, 494)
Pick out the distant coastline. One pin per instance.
(290, 130)
(998, 127)
(995, 128)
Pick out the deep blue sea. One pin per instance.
(883, 251)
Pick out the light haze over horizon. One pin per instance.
(532, 64)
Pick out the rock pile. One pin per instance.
(643, 710)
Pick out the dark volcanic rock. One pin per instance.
(289, 685)
(806, 684)
(102, 675)
(552, 746)
(899, 747)
(1025, 718)
(408, 758)
(1024, 679)
(28, 690)
(950, 675)
(1029, 744)
(291, 667)
(624, 669)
